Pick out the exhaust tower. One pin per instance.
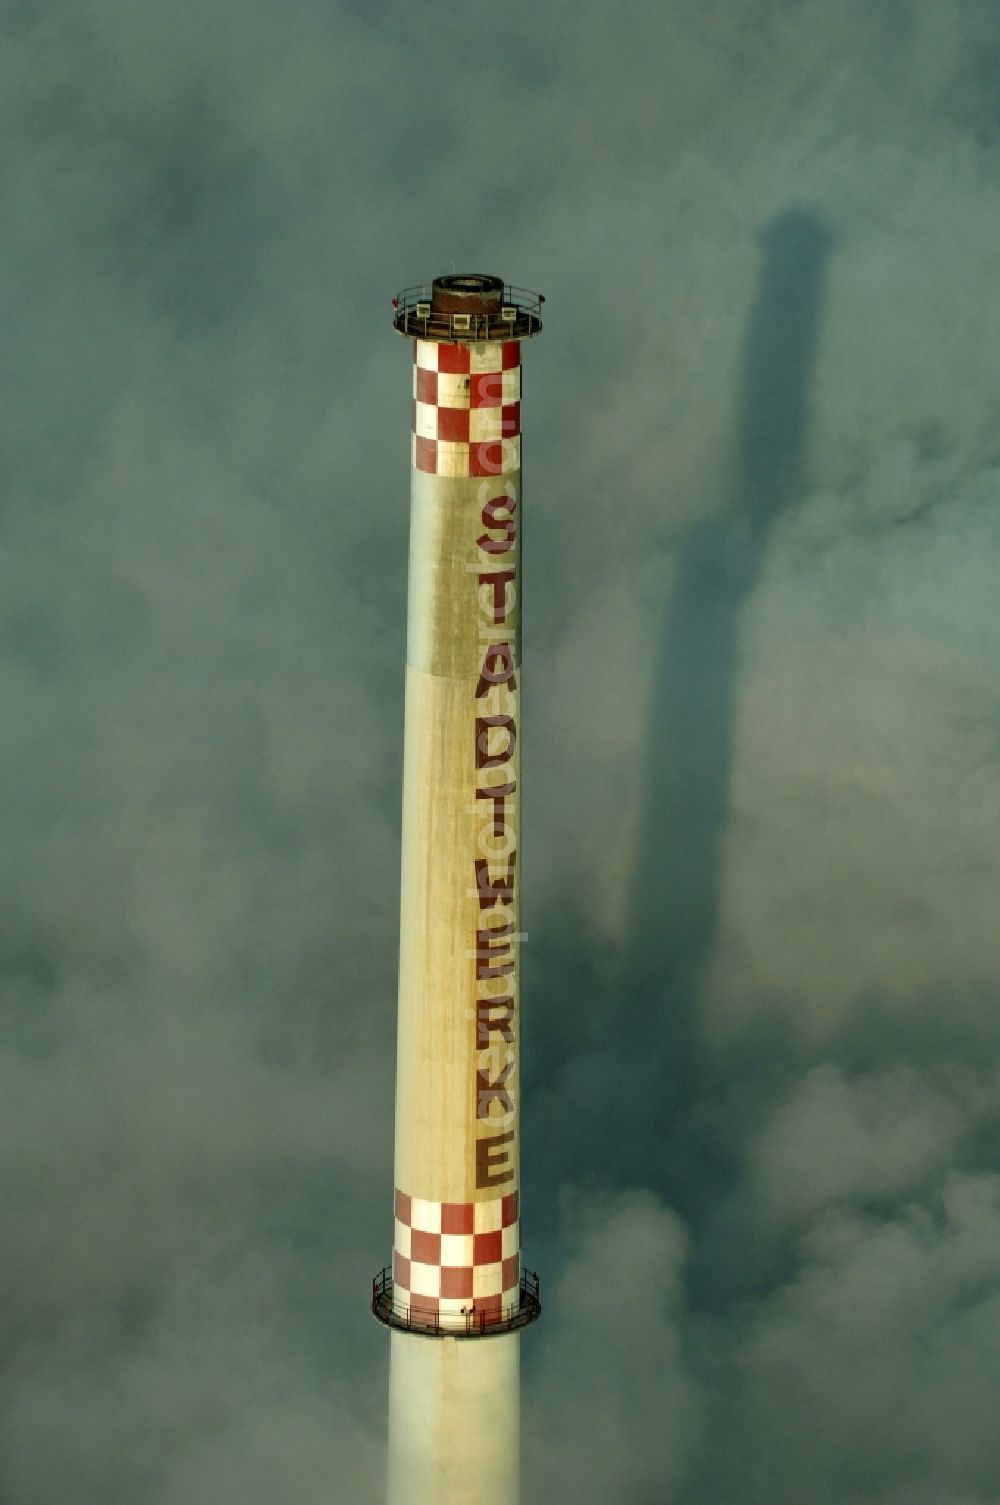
(456, 1294)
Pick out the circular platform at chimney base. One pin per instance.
(470, 1324)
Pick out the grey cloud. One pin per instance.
(837, 1140)
(872, 1367)
(612, 1409)
(760, 742)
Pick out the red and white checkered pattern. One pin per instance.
(467, 408)
(452, 1258)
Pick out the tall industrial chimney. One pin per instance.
(456, 1294)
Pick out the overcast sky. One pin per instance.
(761, 734)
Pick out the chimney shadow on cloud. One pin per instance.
(641, 1102)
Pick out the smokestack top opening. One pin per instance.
(466, 292)
(467, 306)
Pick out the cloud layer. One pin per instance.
(762, 731)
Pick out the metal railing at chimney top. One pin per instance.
(414, 314)
(470, 1324)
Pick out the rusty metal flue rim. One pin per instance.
(517, 316)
